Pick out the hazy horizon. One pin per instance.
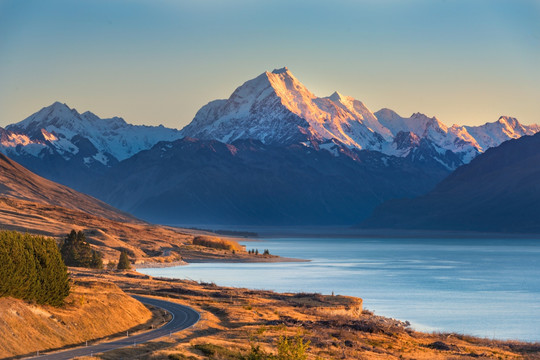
(154, 63)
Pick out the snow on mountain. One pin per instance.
(276, 108)
(11, 142)
(430, 128)
(64, 131)
(493, 134)
(468, 141)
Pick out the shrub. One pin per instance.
(212, 351)
(31, 268)
(216, 243)
(256, 353)
(292, 348)
(179, 356)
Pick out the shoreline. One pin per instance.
(188, 261)
(271, 232)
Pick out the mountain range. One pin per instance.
(63, 145)
(498, 191)
(276, 109)
(272, 153)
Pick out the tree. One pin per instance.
(31, 268)
(123, 261)
(97, 260)
(76, 251)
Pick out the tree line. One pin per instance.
(32, 269)
(76, 252)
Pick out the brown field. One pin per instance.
(234, 319)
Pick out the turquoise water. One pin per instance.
(483, 287)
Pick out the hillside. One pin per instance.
(499, 191)
(19, 183)
(95, 309)
(337, 327)
(29, 203)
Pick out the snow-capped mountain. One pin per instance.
(276, 109)
(493, 134)
(62, 130)
(71, 148)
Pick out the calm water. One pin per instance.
(489, 288)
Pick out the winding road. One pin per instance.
(183, 317)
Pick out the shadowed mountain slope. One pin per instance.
(499, 191)
(19, 183)
(192, 181)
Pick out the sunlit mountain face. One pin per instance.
(276, 108)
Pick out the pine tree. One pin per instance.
(97, 260)
(123, 261)
(31, 268)
(76, 251)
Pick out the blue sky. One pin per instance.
(157, 62)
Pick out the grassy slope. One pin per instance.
(94, 309)
(20, 183)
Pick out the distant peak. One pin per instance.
(419, 115)
(90, 116)
(336, 96)
(58, 105)
(283, 70)
(508, 120)
(387, 113)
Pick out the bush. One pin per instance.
(216, 243)
(256, 353)
(292, 348)
(212, 351)
(179, 356)
(31, 268)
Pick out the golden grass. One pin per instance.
(93, 310)
(336, 326)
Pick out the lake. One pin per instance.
(482, 287)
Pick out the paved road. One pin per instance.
(183, 318)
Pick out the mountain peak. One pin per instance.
(58, 107)
(511, 121)
(57, 104)
(280, 71)
(419, 115)
(336, 96)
